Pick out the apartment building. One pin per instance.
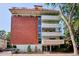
(36, 27)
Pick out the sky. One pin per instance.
(5, 15)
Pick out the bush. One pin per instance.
(36, 50)
(66, 48)
(14, 46)
(8, 45)
(17, 51)
(29, 50)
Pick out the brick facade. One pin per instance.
(24, 30)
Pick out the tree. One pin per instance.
(8, 40)
(76, 30)
(2, 34)
(8, 36)
(69, 12)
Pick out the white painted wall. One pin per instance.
(23, 48)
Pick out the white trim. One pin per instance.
(50, 17)
(51, 33)
(46, 25)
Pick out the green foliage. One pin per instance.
(66, 32)
(75, 24)
(70, 11)
(29, 50)
(68, 44)
(67, 8)
(8, 36)
(17, 51)
(14, 46)
(36, 49)
(76, 34)
(8, 45)
(63, 48)
(2, 34)
(8, 40)
(53, 5)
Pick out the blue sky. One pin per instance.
(5, 15)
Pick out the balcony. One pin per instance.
(47, 17)
(52, 42)
(51, 33)
(45, 25)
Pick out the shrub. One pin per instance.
(14, 46)
(17, 51)
(29, 49)
(8, 45)
(36, 50)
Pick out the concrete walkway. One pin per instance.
(5, 53)
(8, 53)
(63, 54)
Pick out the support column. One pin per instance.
(46, 48)
(50, 48)
(59, 46)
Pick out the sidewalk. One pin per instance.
(63, 54)
(8, 53)
(5, 53)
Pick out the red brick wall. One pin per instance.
(24, 30)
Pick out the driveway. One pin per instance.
(5, 53)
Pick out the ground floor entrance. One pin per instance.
(49, 48)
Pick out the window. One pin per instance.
(39, 29)
(39, 42)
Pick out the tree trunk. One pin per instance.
(71, 33)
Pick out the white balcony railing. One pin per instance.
(45, 25)
(49, 17)
(52, 42)
(51, 33)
